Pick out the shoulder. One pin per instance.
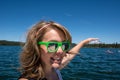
(23, 79)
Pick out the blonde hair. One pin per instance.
(30, 58)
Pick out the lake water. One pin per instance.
(90, 64)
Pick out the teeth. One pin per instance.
(57, 58)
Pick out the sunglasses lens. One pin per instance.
(65, 46)
(52, 47)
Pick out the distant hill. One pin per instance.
(14, 43)
(101, 45)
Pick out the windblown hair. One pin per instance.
(30, 58)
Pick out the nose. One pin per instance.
(59, 50)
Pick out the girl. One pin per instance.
(46, 51)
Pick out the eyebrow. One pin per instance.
(56, 41)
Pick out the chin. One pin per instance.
(55, 65)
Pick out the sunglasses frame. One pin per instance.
(59, 44)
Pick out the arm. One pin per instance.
(75, 50)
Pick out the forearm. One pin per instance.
(71, 54)
(75, 50)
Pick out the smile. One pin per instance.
(56, 60)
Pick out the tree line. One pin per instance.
(100, 45)
(103, 45)
(10, 43)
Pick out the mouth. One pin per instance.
(56, 60)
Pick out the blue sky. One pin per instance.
(83, 18)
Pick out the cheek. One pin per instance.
(43, 49)
(45, 56)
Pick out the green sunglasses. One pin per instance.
(53, 46)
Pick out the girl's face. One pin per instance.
(52, 59)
